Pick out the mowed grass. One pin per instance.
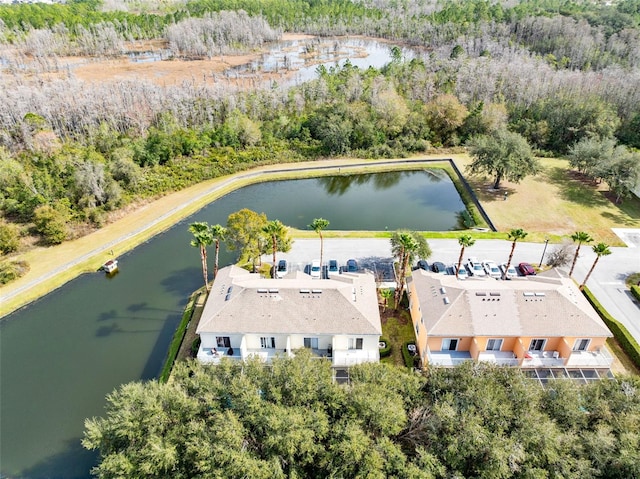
(398, 329)
(557, 202)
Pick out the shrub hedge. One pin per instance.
(178, 337)
(621, 333)
(410, 361)
(386, 351)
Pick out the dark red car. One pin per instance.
(526, 269)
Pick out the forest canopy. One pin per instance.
(290, 419)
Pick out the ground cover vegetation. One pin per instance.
(554, 73)
(290, 419)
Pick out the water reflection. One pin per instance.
(339, 185)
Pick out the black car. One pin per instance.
(352, 266)
(438, 267)
(422, 264)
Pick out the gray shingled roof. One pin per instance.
(243, 302)
(545, 306)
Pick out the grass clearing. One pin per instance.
(398, 329)
(555, 203)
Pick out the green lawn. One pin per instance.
(397, 328)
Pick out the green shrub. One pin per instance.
(12, 270)
(9, 237)
(410, 361)
(178, 337)
(195, 346)
(635, 291)
(386, 351)
(620, 332)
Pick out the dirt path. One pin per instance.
(54, 266)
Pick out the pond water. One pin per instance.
(61, 355)
(302, 57)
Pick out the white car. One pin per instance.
(475, 267)
(333, 268)
(282, 269)
(316, 269)
(508, 273)
(462, 271)
(491, 268)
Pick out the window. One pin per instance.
(268, 342)
(449, 344)
(311, 343)
(581, 344)
(417, 328)
(355, 343)
(494, 345)
(223, 341)
(537, 344)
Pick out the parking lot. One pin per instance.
(375, 254)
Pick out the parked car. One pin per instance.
(352, 266)
(316, 269)
(333, 269)
(508, 273)
(422, 264)
(526, 269)
(491, 268)
(475, 267)
(283, 269)
(438, 267)
(462, 271)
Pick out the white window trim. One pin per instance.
(495, 339)
(267, 342)
(579, 341)
(544, 343)
(457, 340)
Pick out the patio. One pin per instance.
(447, 358)
(501, 358)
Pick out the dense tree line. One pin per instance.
(290, 419)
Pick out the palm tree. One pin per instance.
(278, 237)
(580, 237)
(601, 249)
(219, 233)
(465, 241)
(202, 238)
(317, 225)
(513, 236)
(403, 247)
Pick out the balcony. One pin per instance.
(501, 358)
(595, 359)
(211, 356)
(447, 358)
(351, 357)
(542, 359)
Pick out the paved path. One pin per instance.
(606, 282)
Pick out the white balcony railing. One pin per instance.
(501, 358)
(544, 359)
(601, 358)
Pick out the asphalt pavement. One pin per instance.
(606, 282)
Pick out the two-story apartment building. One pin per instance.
(532, 322)
(247, 315)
